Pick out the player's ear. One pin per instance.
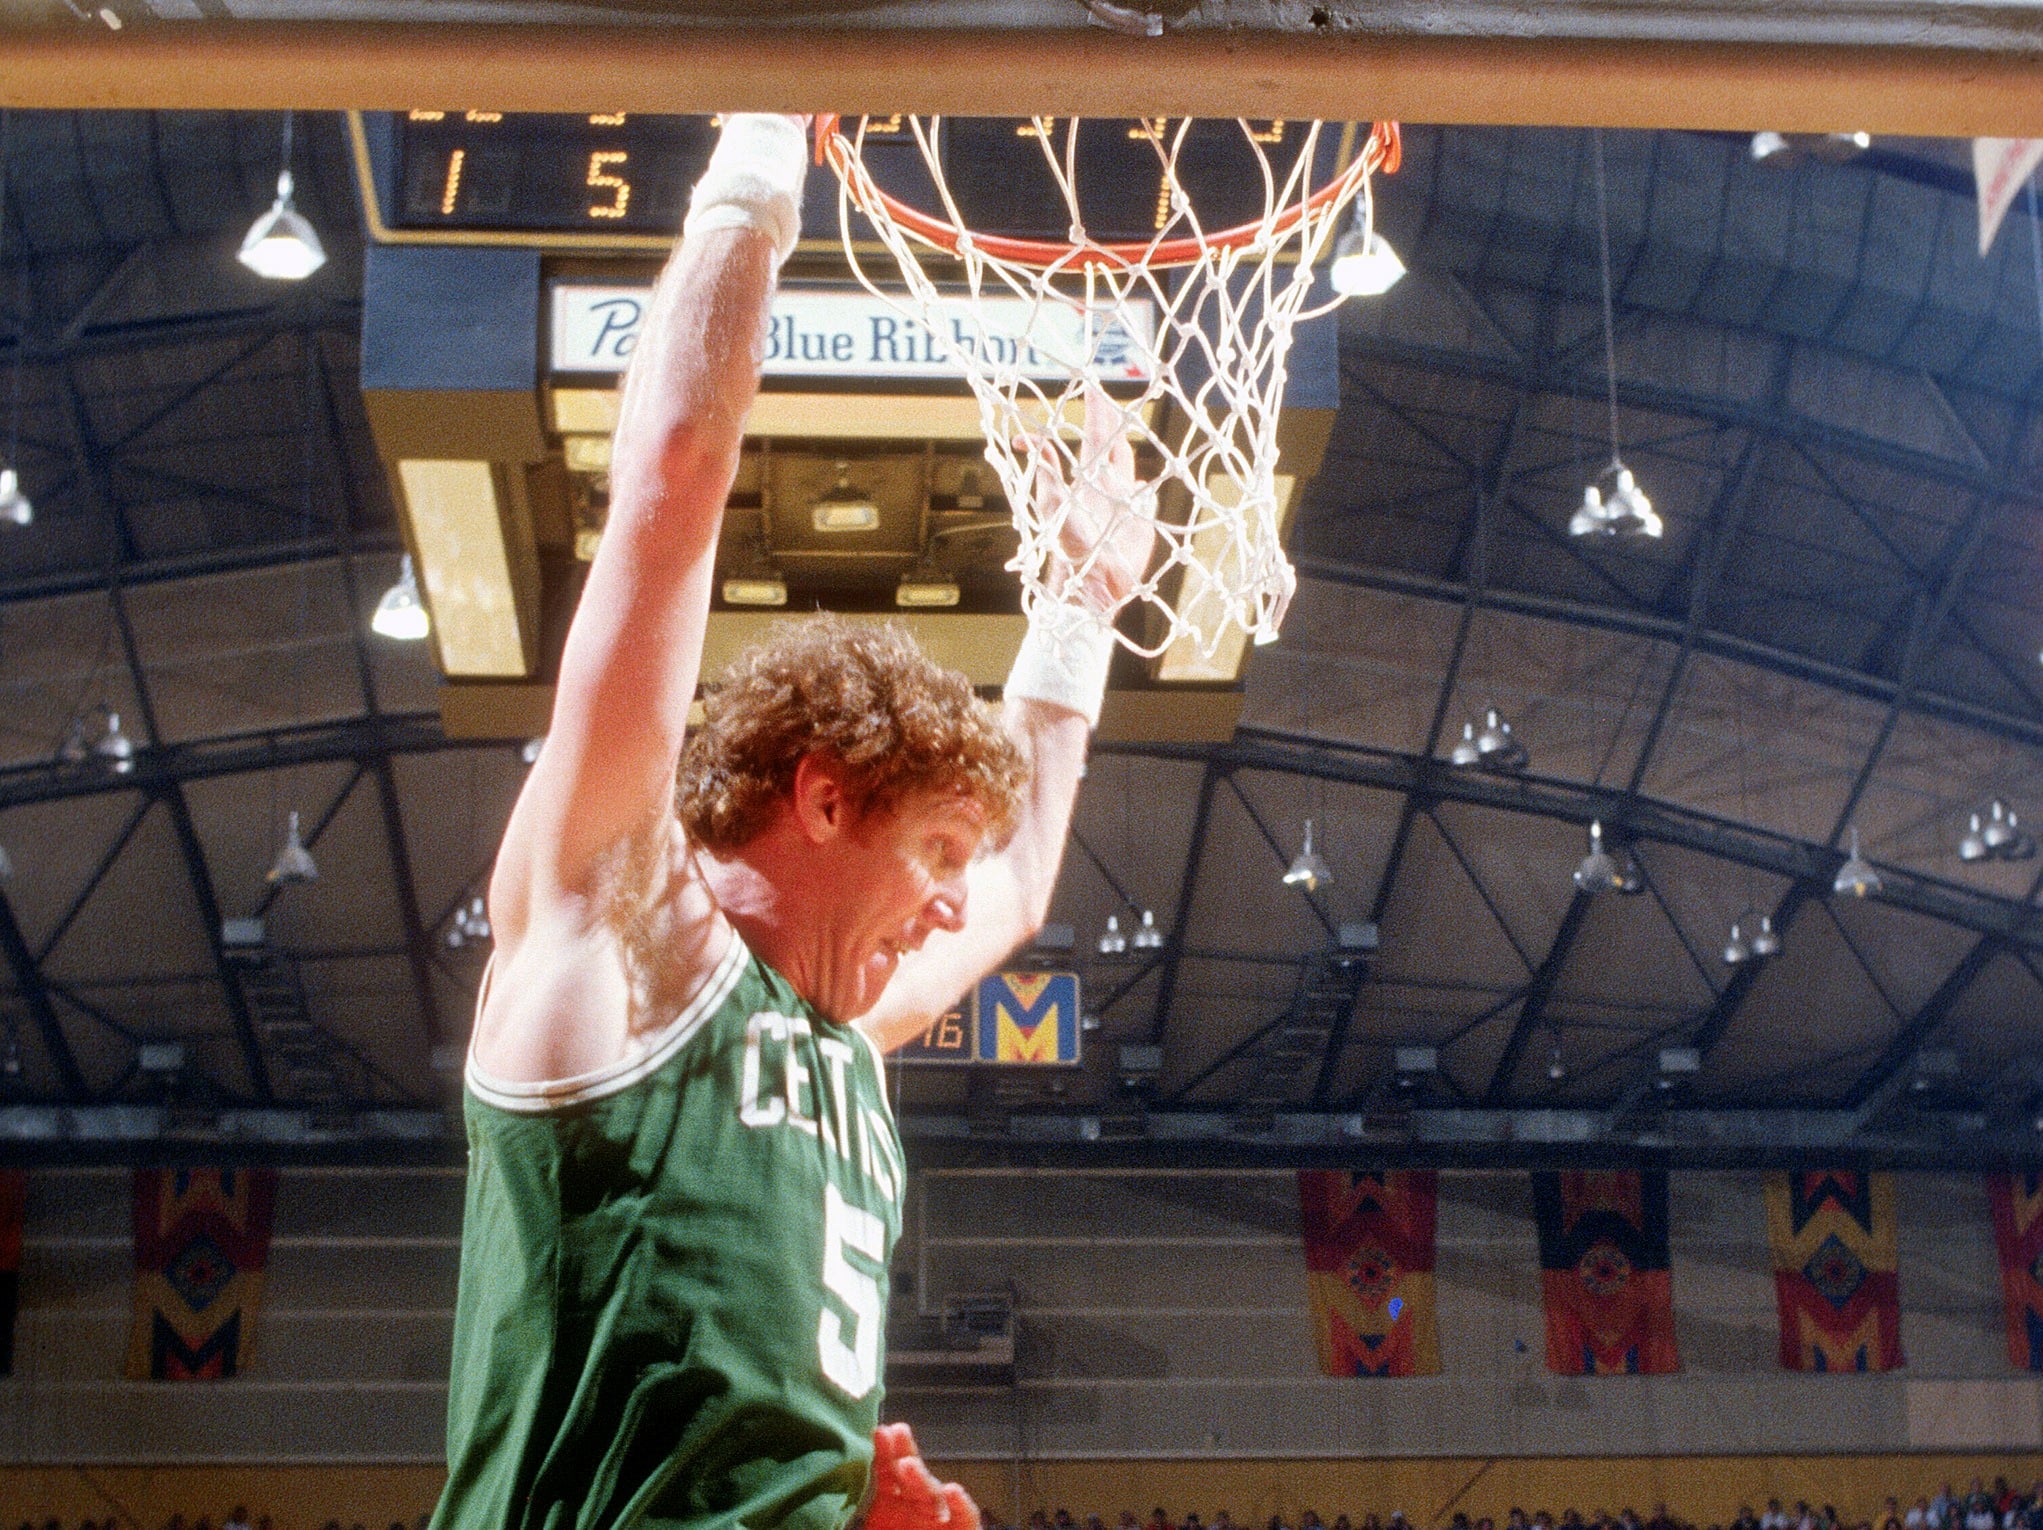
(822, 807)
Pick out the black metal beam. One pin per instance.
(1931, 606)
(1174, 942)
(1539, 989)
(1360, 347)
(169, 791)
(1719, 534)
(105, 864)
(2014, 727)
(418, 938)
(1810, 866)
(28, 981)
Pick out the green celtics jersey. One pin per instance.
(673, 1278)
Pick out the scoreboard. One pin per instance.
(1026, 1018)
(624, 178)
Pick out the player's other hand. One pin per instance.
(906, 1494)
(1105, 521)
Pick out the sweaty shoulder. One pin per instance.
(593, 985)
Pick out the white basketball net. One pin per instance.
(1197, 319)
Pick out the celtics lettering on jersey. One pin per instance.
(778, 1092)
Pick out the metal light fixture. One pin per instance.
(401, 613)
(470, 924)
(1147, 936)
(759, 583)
(282, 244)
(529, 750)
(294, 863)
(1364, 264)
(1997, 834)
(1598, 873)
(1112, 941)
(844, 508)
(1624, 511)
(113, 749)
(15, 509)
(1308, 870)
(1465, 752)
(1764, 941)
(1749, 941)
(1787, 148)
(1856, 876)
(77, 747)
(926, 585)
(1556, 1065)
(14, 506)
(1497, 747)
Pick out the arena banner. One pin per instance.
(202, 1238)
(1605, 1273)
(13, 1198)
(1369, 1270)
(1834, 1275)
(2016, 1201)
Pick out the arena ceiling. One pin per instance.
(1830, 396)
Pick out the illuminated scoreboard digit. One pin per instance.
(540, 174)
(947, 1039)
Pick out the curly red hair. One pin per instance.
(861, 693)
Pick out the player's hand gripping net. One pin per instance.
(1181, 338)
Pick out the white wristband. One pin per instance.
(1063, 660)
(754, 180)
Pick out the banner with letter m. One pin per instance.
(1028, 1017)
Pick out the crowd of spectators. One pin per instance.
(1999, 1507)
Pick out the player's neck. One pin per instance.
(769, 894)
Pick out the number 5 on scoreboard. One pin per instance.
(601, 179)
(851, 1362)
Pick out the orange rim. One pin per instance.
(1383, 151)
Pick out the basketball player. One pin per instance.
(684, 1178)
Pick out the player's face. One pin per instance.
(907, 867)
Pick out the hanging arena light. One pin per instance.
(1624, 511)
(1113, 941)
(282, 245)
(1597, 872)
(1856, 876)
(294, 864)
(1364, 264)
(113, 749)
(2002, 838)
(401, 614)
(1765, 942)
(1147, 936)
(1307, 869)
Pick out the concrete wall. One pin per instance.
(1162, 1316)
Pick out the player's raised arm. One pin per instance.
(1052, 700)
(602, 789)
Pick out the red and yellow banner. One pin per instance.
(202, 1239)
(1834, 1269)
(2016, 1201)
(1606, 1273)
(1369, 1270)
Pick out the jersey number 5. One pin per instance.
(850, 1353)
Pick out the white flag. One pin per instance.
(2002, 166)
